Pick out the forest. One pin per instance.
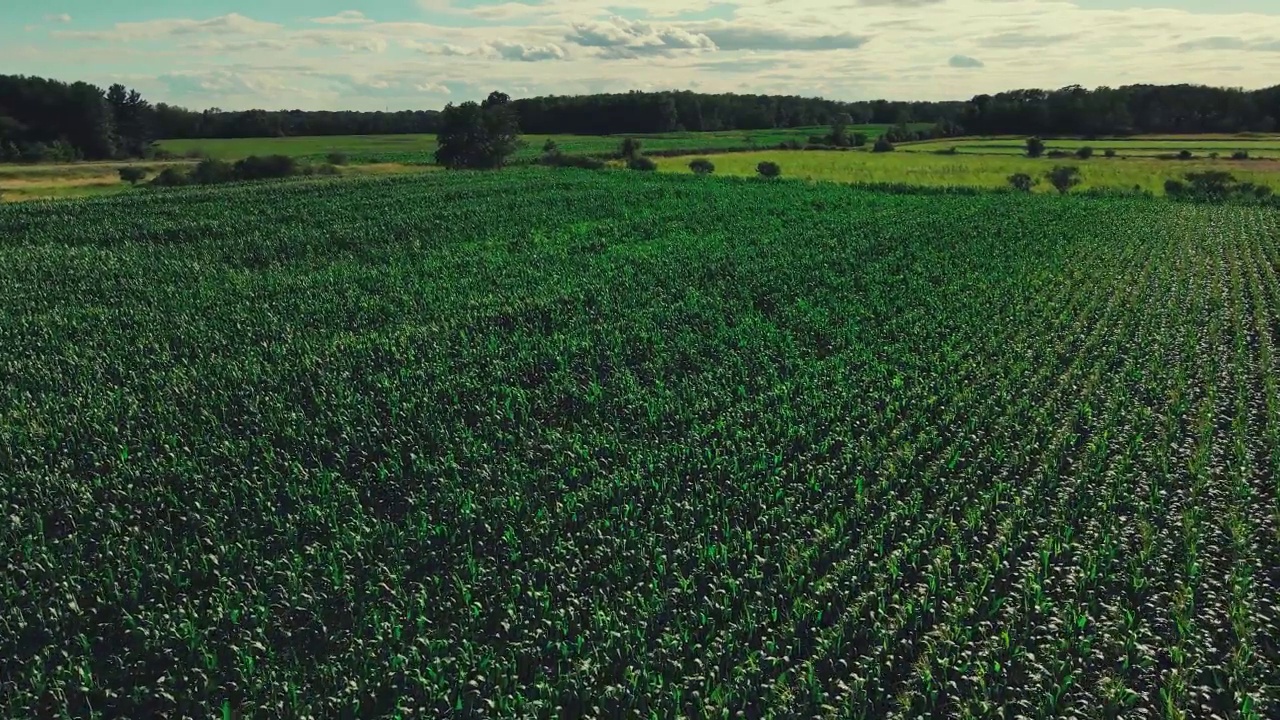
(49, 120)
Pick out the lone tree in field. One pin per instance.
(630, 149)
(1022, 182)
(132, 175)
(701, 166)
(478, 136)
(840, 130)
(1084, 153)
(1035, 147)
(1064, 177)
(768, 169)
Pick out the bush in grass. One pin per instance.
(1084, 153)
(1109, 153)
(213, 172)
(1185, 155)
(257, 167)
(171, 177)
(767, 169)
(1035, 147)
(1064, 177)
(1240, 155)
(1022, 182)
(629, 149)
(883, 144)
(337, 158)
(642, 164)
(702, 166)
(1059, 154)
(559, 159)
(132, 175)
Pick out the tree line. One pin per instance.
(44, 119)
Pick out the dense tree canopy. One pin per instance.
(48, 119)
(478, 136)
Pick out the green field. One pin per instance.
(1267, 147)
(972, 170)
(548, 443)
(421, 148)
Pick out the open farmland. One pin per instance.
(974, 170)
(538, 443)
(420, 149)
(1202, 146)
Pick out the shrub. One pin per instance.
(1059, 154)
(792, 144)
(1022, 182)
(642, 164)
(1084, 153)
(859, 139)
(1240, 155)
(559, 159)
(1035, 147)
(769, 169)
(1109, 153)
(1213, 156)
(212, 172)
(883, 144)
(629, 149)
(337, 158)
(1064, 177)
(702, 166)
(132, 175)
(1174, 188)
(1185, 155)
(257, 167)
(550, 147)
(171, 177)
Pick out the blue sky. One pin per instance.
(367, 54)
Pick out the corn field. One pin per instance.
(567, 444)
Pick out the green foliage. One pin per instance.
(1084, 153)
(1109, 153)
(883, 145)
(768, 169)
(629, 149)
(337, 158)
(132, 175)
(1240, 155)
(702, 166)
(478, 136)
(642, 163)
(329, 450)
(1063, 178)
(1185, 155)
(1022, 182)
(1035, 147)
(171, 177)
(559, 159)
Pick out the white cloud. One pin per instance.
(847, 49)
(58, 18)
(232, 24)
(346, 17)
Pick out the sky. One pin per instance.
(422, 54)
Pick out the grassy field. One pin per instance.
(72, 180)
(420, 149)
(973, 170)
(1141, 147)
(637, 445)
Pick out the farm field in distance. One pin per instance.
(544, 442)
(928, 169)
(420, 149)
(1201, 146)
